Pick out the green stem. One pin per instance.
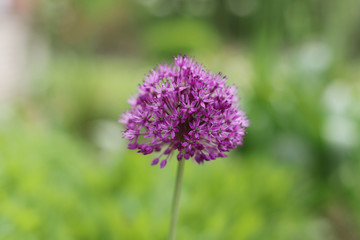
(176, 200)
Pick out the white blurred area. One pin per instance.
(15, 16)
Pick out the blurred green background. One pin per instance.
(68, 68)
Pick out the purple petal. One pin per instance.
(179, 156)
(163, 163)
(155, 161)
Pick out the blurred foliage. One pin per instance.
(55, 188)
(167, 37)
(65, 172)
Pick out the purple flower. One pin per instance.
(187, 109)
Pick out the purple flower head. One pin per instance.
(184, 108)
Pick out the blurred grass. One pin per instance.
(65, 171)
(54, 187)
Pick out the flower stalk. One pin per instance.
(176, 199)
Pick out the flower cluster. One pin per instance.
(186, 108)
